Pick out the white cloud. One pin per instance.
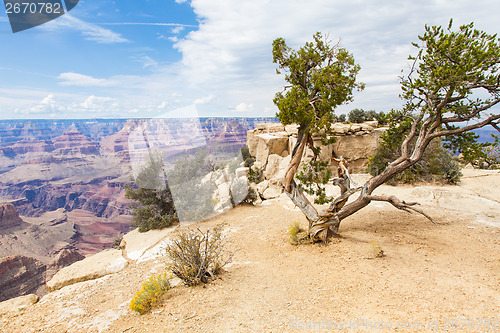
(75, 79)
(180, 1)
(148, 62)
(90, 31)
(177, 29)
(93, 102)
(204, 100)
(230, 54)
(243, 107)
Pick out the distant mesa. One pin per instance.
(74, 141)
(9, 217)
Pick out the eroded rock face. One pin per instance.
(357, 149)
(20, 276)
(9, 217)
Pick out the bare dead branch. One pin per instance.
(400, 204)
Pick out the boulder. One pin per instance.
(262, 186)
(225, 196)
(279, 177)
(371, 123)
(272, 168)
(90, 268)
(340, 128)
(292, 129)
(224, 178)
(137, 243)
(252, 142)
(271, 144)
(241, 172)
(270, 127)
(355, 128)
(18, 303)
(272, 192)
(9, 217)
(366, 127)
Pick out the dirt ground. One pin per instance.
(433, 278)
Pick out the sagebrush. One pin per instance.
(196, 256)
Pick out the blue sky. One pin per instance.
(126, 59)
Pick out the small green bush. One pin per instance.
(151, 292)
(198, 256)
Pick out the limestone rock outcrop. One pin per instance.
(271, 144)
(93, 267)
(18, 303)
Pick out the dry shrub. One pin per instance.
(198, 256)
(298, 235)
(376, 250)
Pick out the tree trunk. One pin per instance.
(321, 225)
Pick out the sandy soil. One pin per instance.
(434, 278)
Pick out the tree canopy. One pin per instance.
(321, 77)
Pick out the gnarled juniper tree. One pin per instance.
(452, 83)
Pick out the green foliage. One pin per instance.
(117, 242)
(479, 154)
(151, 292)
(198, 256)
(255, 175)
(452, 65)
(360, 115)
(298, 234)
(154, 208)
(252, 195)
(247, 158)
(437, 164)
(313, 176)
(321, 77)
(492, 158)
